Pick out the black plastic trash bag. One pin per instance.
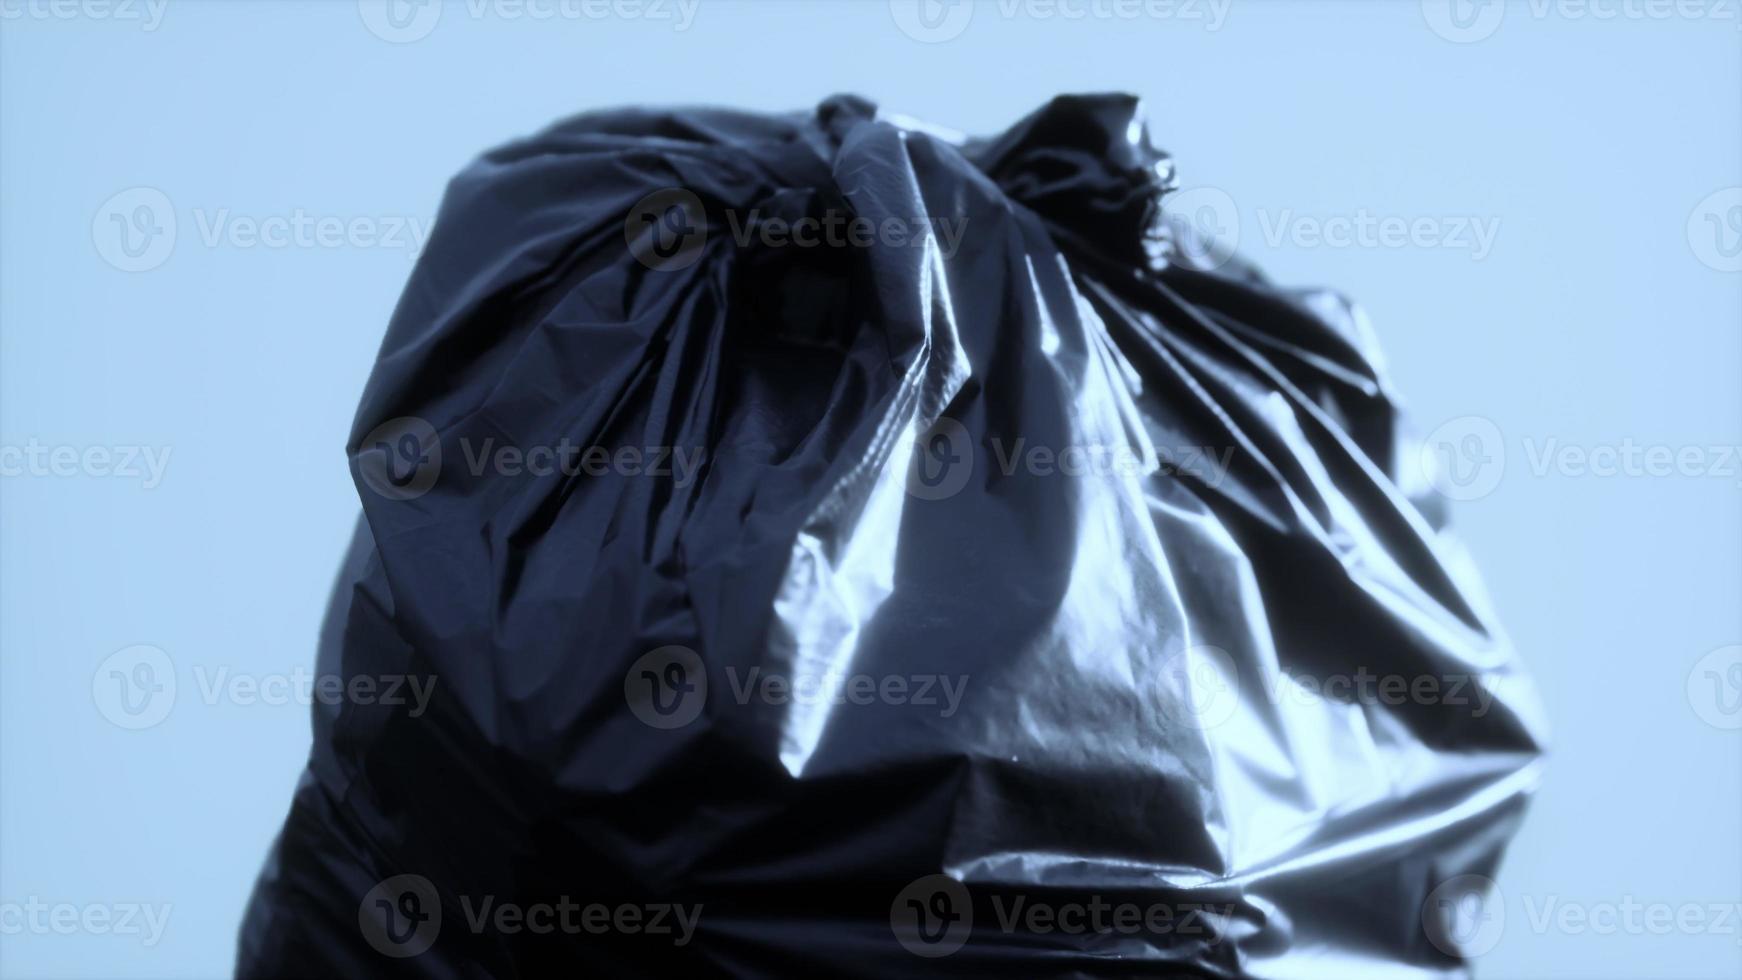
(817, 545)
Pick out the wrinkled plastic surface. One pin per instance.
(1120, 632)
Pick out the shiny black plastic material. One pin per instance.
(852, 594)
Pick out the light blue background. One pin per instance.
(1593, 320)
